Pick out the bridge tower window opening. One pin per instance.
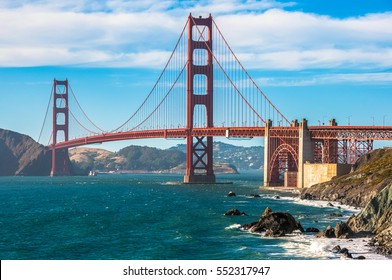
(200, 84)
(200, 57)
(201, 33)
(200, 116)
(60, 118)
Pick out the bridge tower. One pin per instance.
(199, 157)
(60, 159)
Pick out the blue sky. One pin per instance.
(314, 59)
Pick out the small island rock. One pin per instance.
(274, 224)
(235, 212)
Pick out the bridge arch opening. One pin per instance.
(284, 166)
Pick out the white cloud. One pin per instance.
(319, 59)
(328, 79)
(123, 33)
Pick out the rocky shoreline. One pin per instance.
(368, 186)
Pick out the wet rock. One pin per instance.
(235, 212)
(343, 251)
(329, 232)
(274, 224)
(277, 197)
(330, 204)
(360, 258)
(307, 196)
(342, 230)
(347, 255)
(254, 195)
(231, 193)
(312, 229)
(336, 249)
(248, 226)
(335, 215)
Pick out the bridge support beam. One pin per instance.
(267, 153)
(199, 153)
(305, 151)
(60, 159)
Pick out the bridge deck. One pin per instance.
(318, 132)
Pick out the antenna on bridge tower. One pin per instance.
(60, 159)
(199, 161)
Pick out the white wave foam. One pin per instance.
(233, 226)
(308, 246)
(322, 204)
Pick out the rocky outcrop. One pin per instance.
(369, 185)
(235, 212)
(21, 155)
(230, 193)
(274, 224)
(341, 230)
(370, 175)
(376, 217)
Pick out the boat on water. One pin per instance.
(92, 173)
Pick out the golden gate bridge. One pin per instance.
(204, 92)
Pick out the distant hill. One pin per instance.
(21, 155)
(140, 159)
(243, 158)
(149, 159)
(86, 159)
(131, 158)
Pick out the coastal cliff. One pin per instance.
(21, 155)
(368, 186)
(369, 175)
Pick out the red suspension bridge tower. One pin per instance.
(199, 159)
(60, 159)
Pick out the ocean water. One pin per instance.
(146, 216)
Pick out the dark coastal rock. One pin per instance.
(277, 197)
(312, 229)
(376, 217)
(329, 232)
(347, 255)
(231, 194)
(360, 258)
(343, 230)
(335, 215)
(336, 249)
(248, 226)
(254, 195)
(274, 224)
(330, 204)
(343, 251)
(235, 212)
(307, 196)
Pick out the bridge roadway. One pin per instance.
(317, 132)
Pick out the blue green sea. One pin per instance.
(150, 216)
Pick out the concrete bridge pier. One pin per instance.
(305, 151)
